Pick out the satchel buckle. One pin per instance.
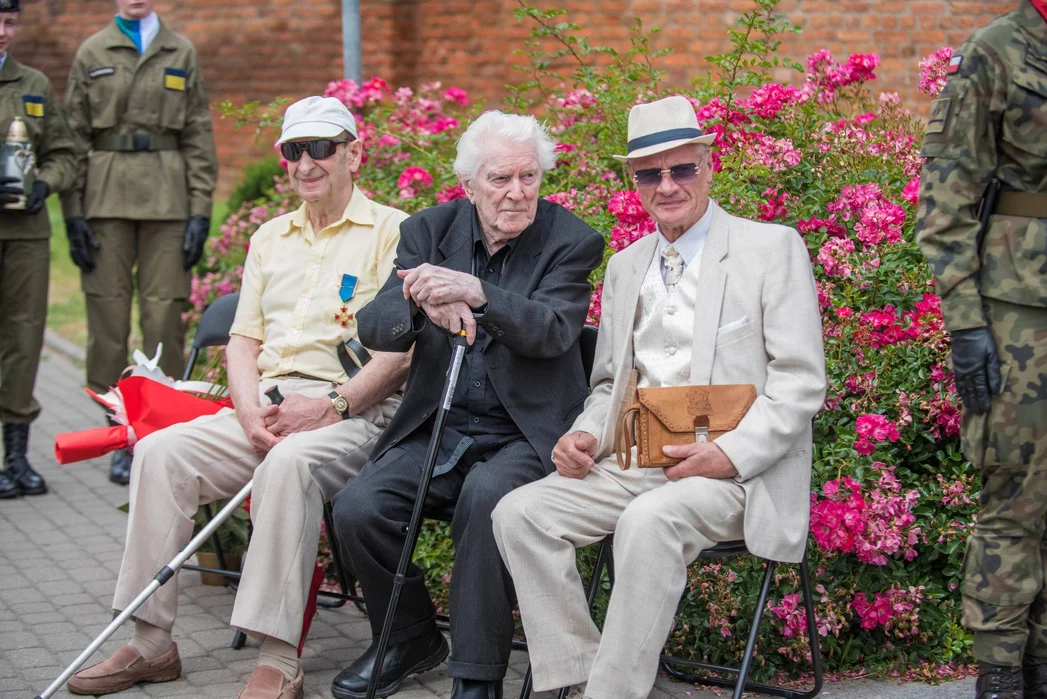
(701, 428)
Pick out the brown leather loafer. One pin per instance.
(124, 669)
(269, 683)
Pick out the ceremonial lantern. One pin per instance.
(17, 160)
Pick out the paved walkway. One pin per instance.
(60, 554)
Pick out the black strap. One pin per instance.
(350, 367)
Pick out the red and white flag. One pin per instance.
(954, 65)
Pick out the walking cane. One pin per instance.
(416, 515)
(165, 574)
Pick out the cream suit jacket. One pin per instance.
(757, 322)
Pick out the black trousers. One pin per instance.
(370, 516)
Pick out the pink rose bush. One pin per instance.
(892, 498)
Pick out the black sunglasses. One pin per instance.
(685, 173)
(317, 150)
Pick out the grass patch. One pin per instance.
(66, 310)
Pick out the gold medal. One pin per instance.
(343, 317)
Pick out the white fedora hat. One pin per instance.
(661, 125)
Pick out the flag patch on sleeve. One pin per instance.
(174, 79)
(34, 105)
(954, 65)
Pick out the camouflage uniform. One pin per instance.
(990, 122)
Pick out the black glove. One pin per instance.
(976, 366)
(81, 241)
(35, 201)
(196, 231)
(9, 194)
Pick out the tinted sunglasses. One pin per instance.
(317, 150)
(684, 173)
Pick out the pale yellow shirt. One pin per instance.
(289, 297)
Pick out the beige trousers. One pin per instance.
(659, 528)
(184, 466)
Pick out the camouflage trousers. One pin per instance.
(1004, 597)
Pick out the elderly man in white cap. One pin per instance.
(306, 275)
(709, 299)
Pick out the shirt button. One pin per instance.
(476, 419)
(294, 331)
(477, 384)
(672, 351)
(671, 310)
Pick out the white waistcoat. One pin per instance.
(663, 326)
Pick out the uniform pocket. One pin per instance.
(1025, 120)
(103, 88)
(173, 112)
(943, 137)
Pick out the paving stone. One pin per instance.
(31, 657)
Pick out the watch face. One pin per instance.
(340, 404)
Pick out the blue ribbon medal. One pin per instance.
(348, 288)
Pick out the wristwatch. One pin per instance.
(340, 404)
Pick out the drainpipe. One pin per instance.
(351, 40)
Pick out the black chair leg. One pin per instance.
(239, 639)
(525, 691)
(812, 629)
(754, 633)
(336, 556)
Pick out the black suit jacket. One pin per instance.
(533, 322)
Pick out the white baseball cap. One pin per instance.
(316, 117)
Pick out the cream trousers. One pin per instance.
(178, 469)
(659, 526)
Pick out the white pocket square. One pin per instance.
(733, 325)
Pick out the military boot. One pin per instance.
(998, 682)
(8, 488)
(16, 441)
(1034, 675)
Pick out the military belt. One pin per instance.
(136, 142)
(1027, 204)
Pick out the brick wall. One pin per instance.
(257, 49)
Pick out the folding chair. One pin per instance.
(605, 561)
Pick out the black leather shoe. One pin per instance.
(417, 655)
(16, 443)
(8, 488)
(476, 689)
(120, 469)
(998, 682)
(1034, 676)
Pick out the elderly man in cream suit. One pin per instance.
(709, 299)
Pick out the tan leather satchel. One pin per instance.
(678, 415)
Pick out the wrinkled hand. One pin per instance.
(976, 366)
(8, 193)
(300, 414)
(196, 230)
(436, 285)
(253, 421)
(81, 241)
(452, 317)
(573, 454)
(34, 203)
(699, 459)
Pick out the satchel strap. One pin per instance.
(626, 436)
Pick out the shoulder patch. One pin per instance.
(174, 79)
(954, 65)
(34, 105)
(101, 72)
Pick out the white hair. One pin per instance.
(513, 127)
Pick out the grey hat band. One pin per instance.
(654, 139)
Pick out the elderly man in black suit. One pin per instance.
(512, 270)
